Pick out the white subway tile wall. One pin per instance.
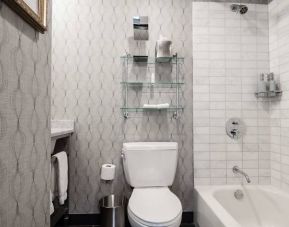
(229, 52)
(279, 59)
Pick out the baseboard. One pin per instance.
(188, 217)
(95, 219)
(84, 219)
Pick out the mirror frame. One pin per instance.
(38, 20)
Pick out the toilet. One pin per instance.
(150, 168)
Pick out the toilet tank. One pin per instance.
(150, 164)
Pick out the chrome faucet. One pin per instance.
(237, 170)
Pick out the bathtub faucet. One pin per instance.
(237, 170)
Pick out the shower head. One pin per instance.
(242, 9)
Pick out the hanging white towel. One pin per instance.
(62, 180)
(53, 183)
(51, 204)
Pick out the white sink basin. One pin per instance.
(60, 129)
(56, 132)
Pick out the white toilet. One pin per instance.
(150, 169)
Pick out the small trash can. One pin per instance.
(112, 210)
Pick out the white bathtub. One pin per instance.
(262, 206)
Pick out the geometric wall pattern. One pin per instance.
(24, 122)
(87, 41)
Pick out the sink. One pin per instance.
(60, 129)
(56, 132)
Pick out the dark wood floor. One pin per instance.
(90, 221)
(183, 225)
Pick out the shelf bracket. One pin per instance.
(175, 115)
(125, 115)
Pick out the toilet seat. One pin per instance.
(156, 206)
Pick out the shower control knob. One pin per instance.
(234, 128)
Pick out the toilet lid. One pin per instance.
(155, 205)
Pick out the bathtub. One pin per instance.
(261, 206)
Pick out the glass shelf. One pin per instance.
(142, 109)
(149, 84)
(269, 94)
(172, 63)
(152, 60)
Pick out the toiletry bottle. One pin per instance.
(262, 86)
(272, 83)
(153, 78)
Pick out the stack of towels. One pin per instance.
(62, 178)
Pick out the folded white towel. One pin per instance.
(150, 106)
(51, 204)
(62, 161)
(157, 106)
(163, 106)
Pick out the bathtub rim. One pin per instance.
(206, 194)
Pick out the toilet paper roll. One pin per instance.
(107, 172)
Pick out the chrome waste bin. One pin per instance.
(112, 209)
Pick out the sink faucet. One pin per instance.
(237, 170)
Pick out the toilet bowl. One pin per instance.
(150, 169)
(156, 206)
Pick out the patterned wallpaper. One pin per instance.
(24, 123)
(88, 39)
